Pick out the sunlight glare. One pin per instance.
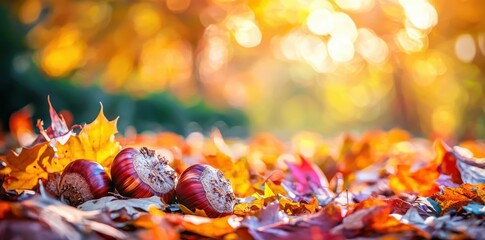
(372, 48)
(341, 50)
(320, 21)
(465, 48)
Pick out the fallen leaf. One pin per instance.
(239, 178)
(133, 206)
(376, 221)
(472, 170)
(29, 165)
(249, 208)
(446, 160)
(309, 177)
(61, 219)
(453, 198)
(273, 224)
(58, 127)
(298, 208)
(420, 181)
(210, 227)
(477, 209)
(157, 225)
(95, 142)
(187, 211)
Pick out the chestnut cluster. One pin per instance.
(139, 173)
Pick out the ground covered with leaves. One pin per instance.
(378, 184)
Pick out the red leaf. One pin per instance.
(447, 161)
(58, 126)
(308, 176)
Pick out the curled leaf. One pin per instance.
(472, 170)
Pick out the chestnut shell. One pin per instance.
(191, 193)
(95, 177)
(129, 183)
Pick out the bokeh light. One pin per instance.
(290, 65)
(465, 48)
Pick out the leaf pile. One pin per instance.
(379, 184)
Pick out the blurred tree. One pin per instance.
(329, 66)
(23, 83)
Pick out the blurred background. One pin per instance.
(248, 66)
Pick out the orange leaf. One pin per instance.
(296, 208)
(20, 125)
(368, 203)
(452, 198)
(197, 212)
(447, 161)
(95, 142)
(155, 226)
(208, 227)
(30, 165)
(217, 153)
(421, 181)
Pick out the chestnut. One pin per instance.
(140, 174)
(83, 180)
(203, 187)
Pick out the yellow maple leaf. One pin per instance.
(297, 208)
(246, 208)
(95, 142)
(29, 165)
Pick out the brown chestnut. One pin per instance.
(140, 174)
(203, 187)
(83, 180)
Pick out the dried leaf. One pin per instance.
(30, 165)
(62, 220)
(297, 208)
(472, 170)
(309, 177)
(447, 161)
(217, 153)
(273, 224)
(477, 209)
(210, 227)
(132, 206)
(157, 225)
(376, 221)
(249, 208)
(420, 181)
(239, 177)
(267, 194)
(57, 129)
(94, 142)
(187, 211)
(452, 198)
